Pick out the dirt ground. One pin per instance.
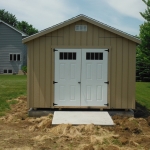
(20, 132)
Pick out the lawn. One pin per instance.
(143, 93)
(11, 87)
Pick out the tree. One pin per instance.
(146, 14)
(26, 28)
(22, 26)
(8, 18)
(143, 50)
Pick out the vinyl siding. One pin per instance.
(121, 64)
(11, 42)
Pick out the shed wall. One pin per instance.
(121, 69)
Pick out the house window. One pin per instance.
(11, 57)
(14, 57)
(9, 71)
(5, 70)
(18, 57)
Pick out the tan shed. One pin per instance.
(81, 63)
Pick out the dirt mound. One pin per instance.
(94, 135)
(141, 111)
(18, 111)
(133, 131)
(148, 120)
(20, 132)
(22, 148)
(40, 123)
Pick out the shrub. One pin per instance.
(24, 69)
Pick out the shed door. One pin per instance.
(67, 76)
(80, 75)
(93, 77)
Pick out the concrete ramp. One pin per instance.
(82, 117)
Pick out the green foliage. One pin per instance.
(143, 94)
(8, 18)
(11, 87)
(145, 41)
(143, 50)
(26, 28)
(142, 66)
(22, 26)
(12, 102)
(24, 69)
(146, 14)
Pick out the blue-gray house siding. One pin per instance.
(11, 43)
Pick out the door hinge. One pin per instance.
(54, 104)
(106, 104)
(107, 50)
(54, 82)
(107, 82)
(55, 50)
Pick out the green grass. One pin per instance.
(143, 94)
(11, 87)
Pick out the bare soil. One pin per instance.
(20, 132)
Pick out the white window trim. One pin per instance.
(13, 56)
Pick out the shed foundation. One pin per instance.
(45, 112)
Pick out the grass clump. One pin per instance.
(143, 94)
(11, 87)
(116, 142)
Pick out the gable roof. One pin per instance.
(85, 18)
(22, 33)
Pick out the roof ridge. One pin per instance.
(110, 26)
(89, 19)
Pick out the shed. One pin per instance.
(81, 63)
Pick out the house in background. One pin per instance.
(13, 53)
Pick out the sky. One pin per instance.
(120, 14)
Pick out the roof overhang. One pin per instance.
(85, 18)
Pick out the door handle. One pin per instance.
(79, 82)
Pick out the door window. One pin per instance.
(94, 56)
(67, 55)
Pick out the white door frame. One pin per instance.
(79, 79)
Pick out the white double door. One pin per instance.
(80, 76)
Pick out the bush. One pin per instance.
(24, 69)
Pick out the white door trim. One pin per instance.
(80, 75)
